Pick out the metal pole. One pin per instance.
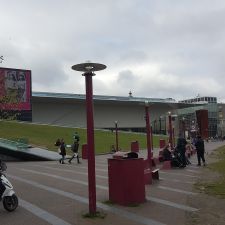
(160, 126)
(88, 68)
(183, 127)
(170, 131)
(90, 143)
(148, 134)
(151, 140)
(117, 143)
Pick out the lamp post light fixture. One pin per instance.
(170, 130)
(148, 134)
(117, 143)
(89, 68)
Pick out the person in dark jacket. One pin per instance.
(74, 148)
(200, 148)
(167, 155)
(62, 148)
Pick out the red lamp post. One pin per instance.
(88, 69)
(117, 143)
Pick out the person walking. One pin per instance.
(74, 148)
(76, 137)
(200, 148)
(62, 148)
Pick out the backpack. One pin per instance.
(76, 137)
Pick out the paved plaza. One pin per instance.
(53, 193)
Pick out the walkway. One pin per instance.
(53, 193)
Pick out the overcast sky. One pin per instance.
(155, 48)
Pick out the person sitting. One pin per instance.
(130, 155)
(167, 155)
(177, 158)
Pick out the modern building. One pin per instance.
(201, 114)
(203, 119)
(70, 110)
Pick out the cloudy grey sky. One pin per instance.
(155, 48)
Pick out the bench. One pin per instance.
(155, 174)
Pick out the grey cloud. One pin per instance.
(181, 39)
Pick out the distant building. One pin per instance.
(196, 118)
(201, 114)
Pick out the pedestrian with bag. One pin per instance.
(62, 149)
(76, 137)
(74, 149)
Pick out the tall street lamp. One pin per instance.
(170, 130)
(117, 143)
(88, 69)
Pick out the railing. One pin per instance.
(14, 145)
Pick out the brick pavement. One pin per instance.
(52, 193)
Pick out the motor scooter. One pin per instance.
(8, 197)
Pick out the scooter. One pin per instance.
(9, 198)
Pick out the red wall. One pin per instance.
(202, 119)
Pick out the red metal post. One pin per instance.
(151, 138)
(90, 143)
(170, 131)
(183, 127)
(117, 143)
(148, 134)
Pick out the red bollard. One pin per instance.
(134, 146)
(166, 165)
(84, 151)
(162, 143)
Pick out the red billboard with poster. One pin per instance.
(15, 89)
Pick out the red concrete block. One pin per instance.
(134, 146)
(162, 143)
(166, 165)
(126, 181)
(84, 151)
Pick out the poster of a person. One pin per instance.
(15, 85)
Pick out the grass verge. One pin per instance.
(216, 187)
(45, 136)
